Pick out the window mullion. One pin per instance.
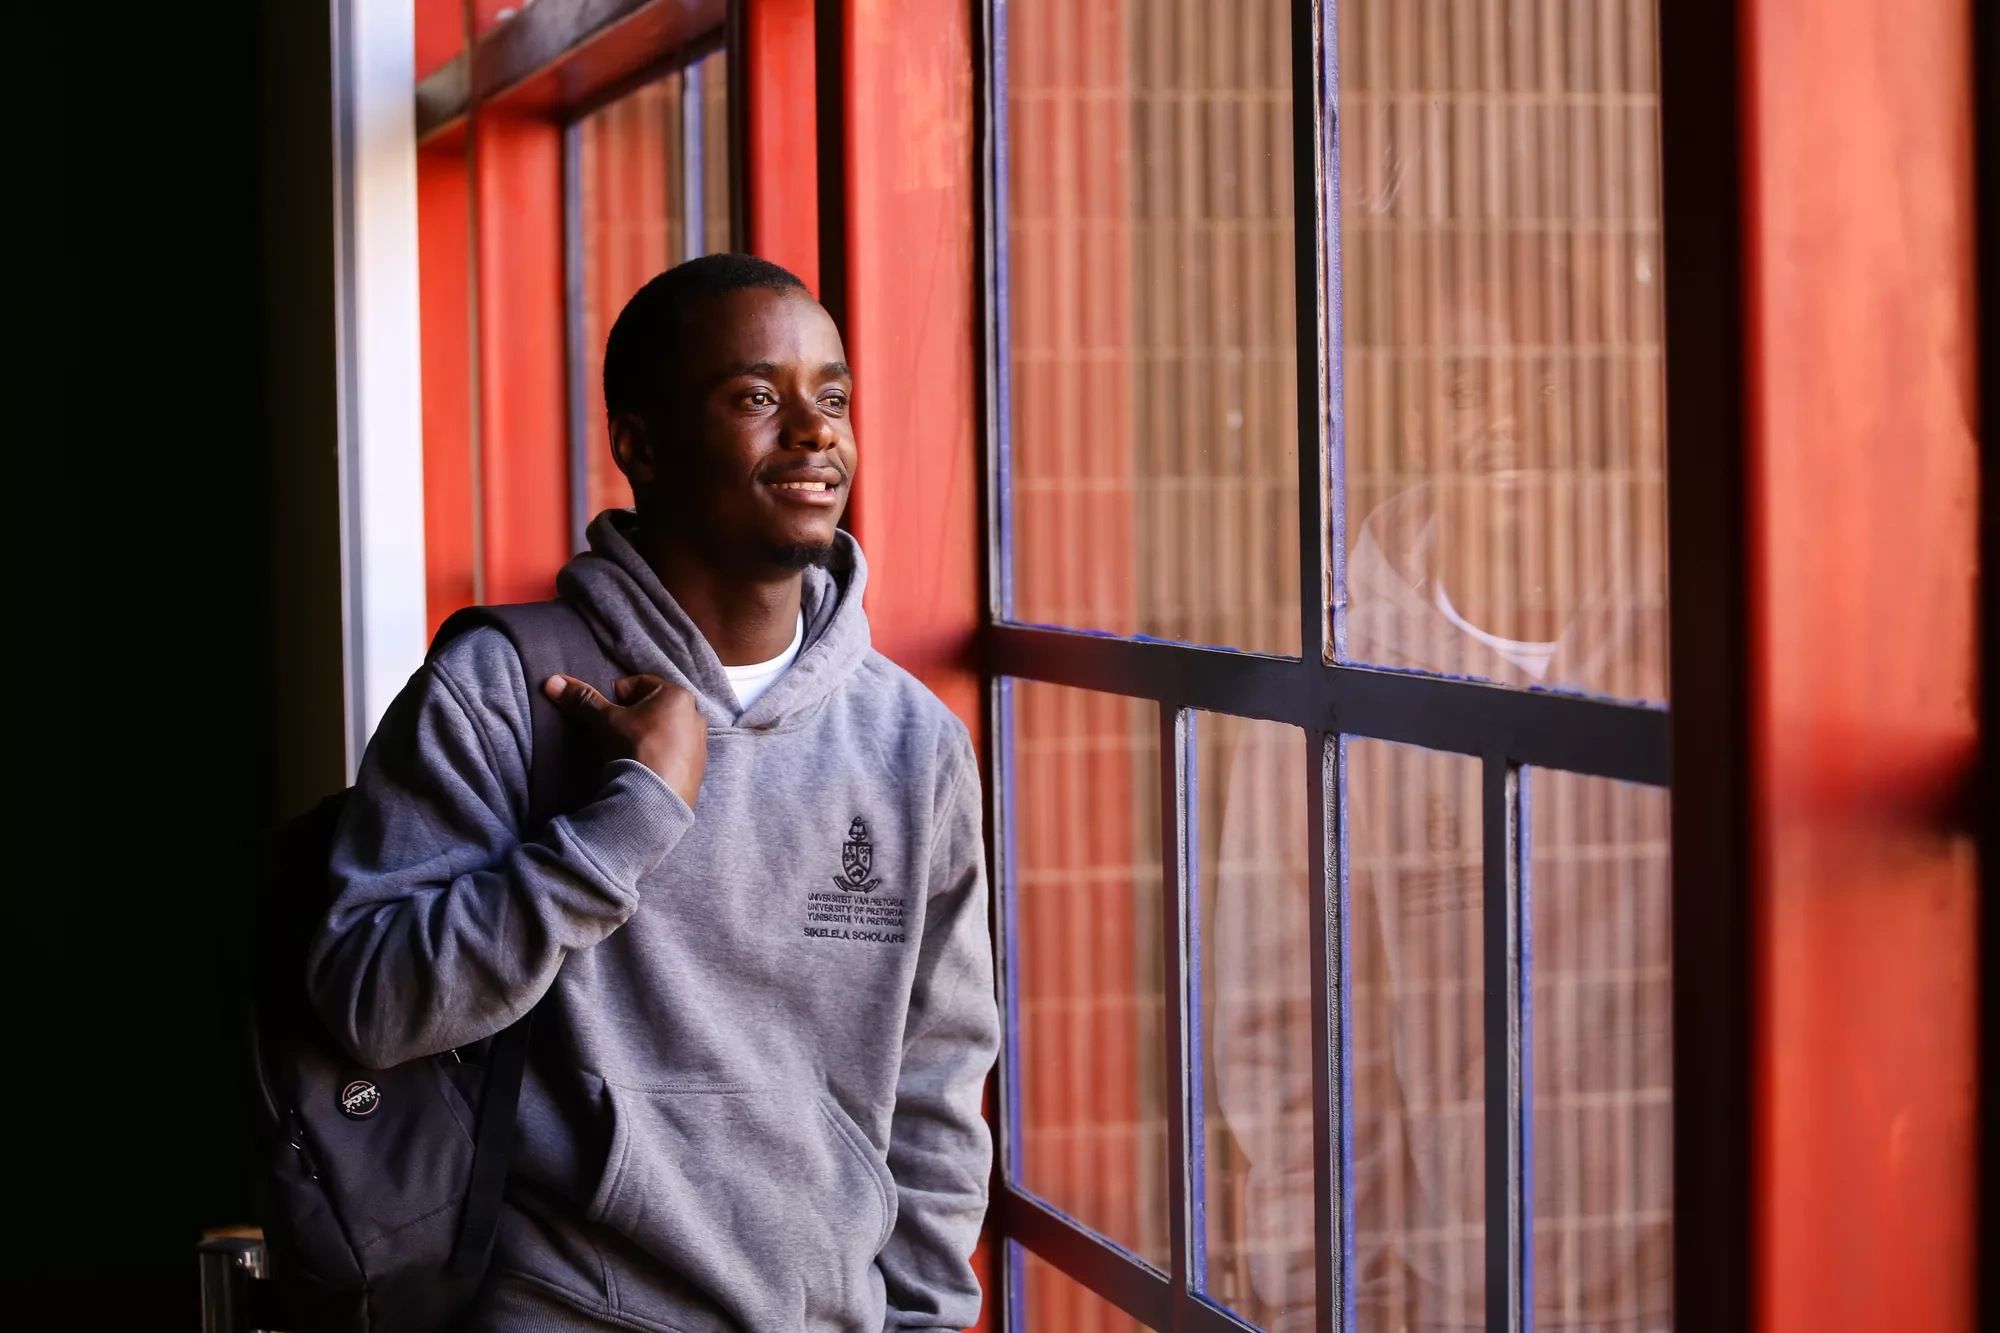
(1333, 1140)
(1176, 932)
(1316, 264)
(1505, 947)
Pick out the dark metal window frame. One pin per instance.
(1506, 729)
(564, 58)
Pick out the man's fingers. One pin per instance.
(631, 689)
(574, 697)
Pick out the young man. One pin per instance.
(761, 951)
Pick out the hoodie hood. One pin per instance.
(643, 630)
(1609, 647)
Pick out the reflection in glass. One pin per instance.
(1058, 1304)
(1415, 876)
(1154, 475)
(1256, 914)
(1085, 888)
(1504, 441)
(655, 179)
(1603, 1077)
(1417, 1054)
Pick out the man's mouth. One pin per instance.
(819, 489)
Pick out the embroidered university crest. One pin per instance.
(857, 858)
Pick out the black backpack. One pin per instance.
(381, 1187)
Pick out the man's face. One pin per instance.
(757, 452)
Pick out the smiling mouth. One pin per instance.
(819, 492)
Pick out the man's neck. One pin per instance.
(745, 618)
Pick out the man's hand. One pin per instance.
(653, 722)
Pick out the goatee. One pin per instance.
(804, 556)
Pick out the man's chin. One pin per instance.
(803, 555)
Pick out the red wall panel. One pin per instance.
(912, 309)
(912, 315)
(440, 33)
(782, 183)
(444, 237)
(1863, 503)
(523, 463)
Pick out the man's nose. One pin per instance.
(808, 427)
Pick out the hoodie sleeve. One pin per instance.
(445, 925)
(940, 1150)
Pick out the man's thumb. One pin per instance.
(574, 697)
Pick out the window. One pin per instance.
(1328, 494)
(649, 184)
(586, 147)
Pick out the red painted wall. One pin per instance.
(523, 415)
(444, 293)
(912, 316)
(1863, 503)
(912, 289)
(782, 185)
(440, 33)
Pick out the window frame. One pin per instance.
(1507, 729)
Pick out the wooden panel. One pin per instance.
(910, 308)
(911, 321)
(1862, 498)
(782, 188)
(523, 417)
(440, 33)
(444, 235)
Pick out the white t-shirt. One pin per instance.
(752, 680)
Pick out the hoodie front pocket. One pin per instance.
(769, 1201)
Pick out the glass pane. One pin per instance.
(1500, 225)
(1603, 1075)
(1418, 1066)
(717, 185)
(1056, 1303)
(1249, 835)
(1083, 808)
(654, 178)
(1153, 475)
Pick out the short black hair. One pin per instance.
(654, 326)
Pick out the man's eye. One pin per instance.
(762, 398)
(837, 401)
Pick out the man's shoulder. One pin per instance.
(480, 653)
(481, 671)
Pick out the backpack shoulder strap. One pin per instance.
(551, 639)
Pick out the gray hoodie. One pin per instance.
(765, 1026)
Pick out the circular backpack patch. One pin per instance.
(359, 1099)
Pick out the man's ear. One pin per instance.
(634, 448)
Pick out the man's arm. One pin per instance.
(446, 926)
(940, 1150)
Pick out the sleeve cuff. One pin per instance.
(633, 823)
